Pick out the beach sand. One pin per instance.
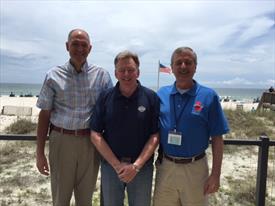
(246, 106)
(6, 120)
(235, 167)
(21, 102)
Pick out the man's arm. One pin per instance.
(42, 132)
(104, 149)
(129, 171)
(148, 150)
(213, 182)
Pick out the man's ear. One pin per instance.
(67, 46)
(115, 72)
(138, 72)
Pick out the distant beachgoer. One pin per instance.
(257, 100)
(12, 94)
(28, 95)
(66, 100)
(271, 89)
(189, 115)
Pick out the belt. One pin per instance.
(77, 132)
(132, 160)
(127, 159)
(184, 160)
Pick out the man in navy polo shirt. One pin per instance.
(125, 132)
(189, 115)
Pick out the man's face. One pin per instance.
(183, 66)
(126, 72)
(78, 47)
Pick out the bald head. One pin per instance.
(78, 31)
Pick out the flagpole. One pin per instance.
(158, 76)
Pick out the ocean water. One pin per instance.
(240, 94)
(233, 93)
(19, 89)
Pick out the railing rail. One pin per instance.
(263, 143)
(18, 137)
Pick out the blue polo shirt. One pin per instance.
(196, 114)
(126, 122)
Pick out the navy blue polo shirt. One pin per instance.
(126, 123)
(197, 115)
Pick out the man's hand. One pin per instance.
(42, 164)
(42, 131)
(212, 184)
(127, 173)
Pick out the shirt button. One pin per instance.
(179, 106)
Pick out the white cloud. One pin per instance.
(255, 28)
(240, 83)
(237, 80)
(234, 39)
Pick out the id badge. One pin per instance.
(174, 138)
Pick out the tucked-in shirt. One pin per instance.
(71, 96)
(126, 122)
(196, 114)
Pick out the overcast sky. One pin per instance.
(234, 40)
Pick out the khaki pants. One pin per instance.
(181, 184)
(74, 164)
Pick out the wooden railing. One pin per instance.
(263, 143)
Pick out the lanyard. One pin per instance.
(177, 117)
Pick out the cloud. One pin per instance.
(255, 28)
(237, 80)
(240, 83)
(233, 39)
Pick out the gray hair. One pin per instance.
(184, 49)
(127, 55)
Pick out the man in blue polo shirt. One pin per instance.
(125, 132)
(189, 115)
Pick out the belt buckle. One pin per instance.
(125, 159)
(193, 159)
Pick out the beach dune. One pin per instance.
(30, 102)
(245, 106)
(22, 103)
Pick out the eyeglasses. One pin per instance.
(130, 71)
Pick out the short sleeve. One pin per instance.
(45, 99)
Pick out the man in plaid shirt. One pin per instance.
(66, 100)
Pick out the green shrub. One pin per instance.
(250, 124)
(21, 126)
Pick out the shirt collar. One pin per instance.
(84, 68)
(192, 92)
(134, 95)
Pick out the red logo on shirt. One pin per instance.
(198, 107)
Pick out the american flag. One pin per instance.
(164, 69)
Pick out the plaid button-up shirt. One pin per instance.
(71, 96)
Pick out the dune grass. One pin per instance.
(250, 125)
(22, 185)
(21, 126)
